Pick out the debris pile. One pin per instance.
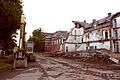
(98, 57)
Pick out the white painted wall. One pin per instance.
(106, 45)
(71, 38)
(92, 37)
(71, 47)
(77, 31)
(118, 33)
(118, 21)
(82, 47)
(98, 44)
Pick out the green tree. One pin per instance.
(38, 37)
(10, 20)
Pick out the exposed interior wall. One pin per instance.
(82, 47)
(98, 37)
(78, 31)
(71, 47)
(98, 45)
(107, 45)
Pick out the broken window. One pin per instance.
(63, 40)
(115, 22)
(106, 35)
(95, 47)
(94, 26)
(91, 48)
(116, 34)
(66, 48)
(88, 35)
(82, 39)
(75, 25)
(86, 48)
(75, 34)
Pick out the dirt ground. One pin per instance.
(57, 68)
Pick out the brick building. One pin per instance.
(103, 33)
(54, 41)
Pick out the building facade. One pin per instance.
(75, 37)
(103, 33)
(54, 42)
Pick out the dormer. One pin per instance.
(77, 25)
(94, 23)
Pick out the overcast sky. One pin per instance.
(54, 15)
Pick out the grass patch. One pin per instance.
(4, 65)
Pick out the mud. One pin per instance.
(58, 68)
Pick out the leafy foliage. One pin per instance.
(38, 39)
(4, 65)
(10, 20)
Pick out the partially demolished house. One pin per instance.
(74, 39)
(103, 33)
(54, 41)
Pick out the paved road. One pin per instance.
(48, 68)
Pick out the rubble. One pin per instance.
(95, 56)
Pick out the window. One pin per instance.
(63, 40)
(94, 26)
(106, 35)
(95, 47)
(82, 39)
(48, 43)
(115, 22)
(116, 34)
(66, 48)
(86, 48)
(75, 34)
(59, 41)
